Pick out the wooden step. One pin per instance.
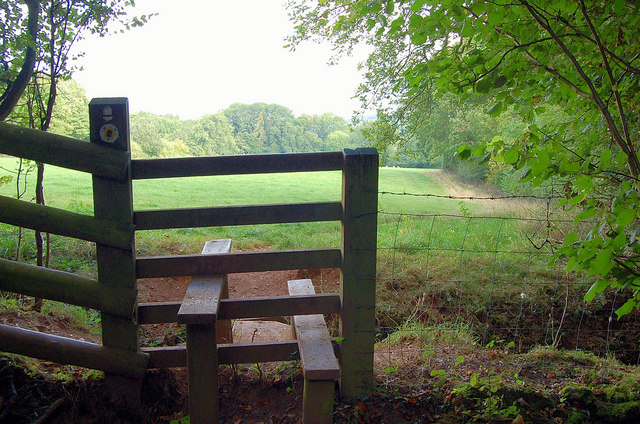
(319, 364)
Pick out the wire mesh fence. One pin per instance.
(485, 277)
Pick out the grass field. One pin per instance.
(71, 190)
(440, 259)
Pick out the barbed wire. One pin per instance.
(454, 197)
(489, 281)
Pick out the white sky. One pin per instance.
(200, 56)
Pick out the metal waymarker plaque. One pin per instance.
(108, 122)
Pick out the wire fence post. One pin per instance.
(113, 201)
(358, 272)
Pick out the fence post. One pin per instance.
(113, 200)
(358, 272)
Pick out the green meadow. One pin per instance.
(467, 257)
(71, 190)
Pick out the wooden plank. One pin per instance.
(173, 266)
(235, 165)
(72, 352)
(63, 151)
(201, 302)
(237, 215)
(113, 201)
(316, 352)
(202, 368)
(166, 356)
(237, 353)
(65, 223)
(223, 327)
(216, 247)
(358, 272)
(259, 307)
(68, 288)
(158, 312)
(318, 401)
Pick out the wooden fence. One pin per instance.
(113, 227)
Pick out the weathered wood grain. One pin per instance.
(68, 288)
(72, 352)
(316, 351)
(174, 266)
(64, 223)
(235, 165)
(63, 151)
(258, 307)
(237, 215)
(358, 272)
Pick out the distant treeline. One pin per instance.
(241, 129)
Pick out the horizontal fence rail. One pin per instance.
(236, 165)
(64, 223)
(258, 307)
(229, 263)
(72, 352)
(229, 354)
(63, 151)
(68, 288)
(237, 215)
(237, 353)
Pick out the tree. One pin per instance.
(70, 115)
(52, 30)
(213, 135)
(581, 56)
(18, 54)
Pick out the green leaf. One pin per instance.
(570, 238)
(464, 152)
(495, 110)
(602, 263)
(483, 86)
(585, 214)
(626, 308)
(417, 5)
(596, 288)
(625, 217)
(500, 81)
(437, 372)
(605, 159)
(511, 156)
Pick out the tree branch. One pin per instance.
(12, 94)
(633, 158)
(634, 166)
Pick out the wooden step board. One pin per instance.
(199, 311)
(319, 364)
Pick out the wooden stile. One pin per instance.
(206, 309)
